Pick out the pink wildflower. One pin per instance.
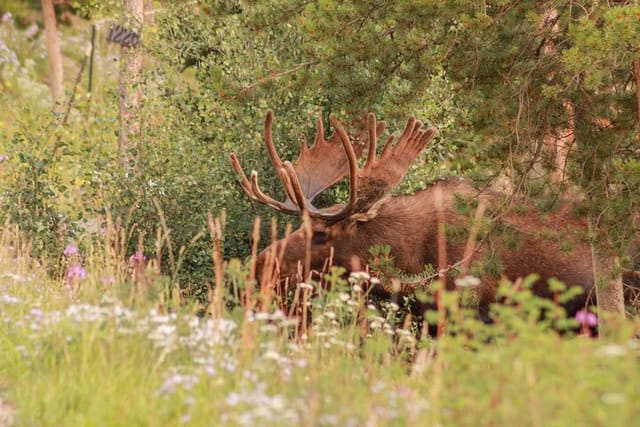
(108, 280)
(137, 258)
(70, 250)
(587, 318)
(76, 272)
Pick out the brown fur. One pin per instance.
(522, 243)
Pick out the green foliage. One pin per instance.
(54, 181)
(22, 10)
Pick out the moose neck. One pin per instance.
(415, 218)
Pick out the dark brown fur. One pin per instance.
(551, 245)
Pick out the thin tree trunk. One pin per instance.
(130, 87)
(558, 141)
(609, 289)
(53, 51)
(636, 77)
(149, 15)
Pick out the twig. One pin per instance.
(274, 76)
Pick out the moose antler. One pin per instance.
(379, 176)
(317, 168)
(327, 162)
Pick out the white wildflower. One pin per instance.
(467, 282)
(344, 296)
(9, 299)
(262, 316)
(305, 286)
(613, 398)
(392, 306)
(359, 276)
(612, 350)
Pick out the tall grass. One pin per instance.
(119, 346)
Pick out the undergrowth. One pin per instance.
(112, 342)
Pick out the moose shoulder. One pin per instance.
(516, 244)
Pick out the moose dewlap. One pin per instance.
(449, 225)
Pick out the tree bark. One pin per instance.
(609, 289)
(149, 15)
(53, 51)
(558, 141)
(130, 87)
(636, 77)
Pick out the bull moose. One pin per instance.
(523, 242)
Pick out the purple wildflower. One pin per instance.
(3, 158)
(76, 272)
(108, 280)
(137, 258)
(70, 250)
(587, 318)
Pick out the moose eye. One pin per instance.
(320, 237)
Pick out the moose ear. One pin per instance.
(362, 217)
(371, 213)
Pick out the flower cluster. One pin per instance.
(75, 272)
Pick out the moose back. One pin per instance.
(449, 225)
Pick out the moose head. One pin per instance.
(332, 233)
(411, 226)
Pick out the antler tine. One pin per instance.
(268, 141)
(253, 190)
(288, 187)
(373, 138)
(243, 178)
(260, 196)
(408, 130)
(319, 130)
(298, 194)
(351, 157)
(374, 130)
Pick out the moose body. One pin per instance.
(517, 244)
(550, 246)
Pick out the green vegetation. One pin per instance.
(90, 350)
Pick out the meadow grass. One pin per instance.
(85, 351)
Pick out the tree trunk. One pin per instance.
(130, 87)
(558, 141)
(53, 50)
(636, 77)
(149, 15)
(609, 289)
